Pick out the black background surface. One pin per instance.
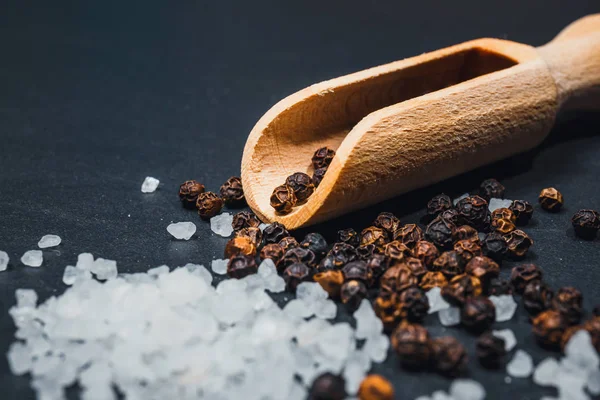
(96, 95)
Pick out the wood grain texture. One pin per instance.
(414, 122)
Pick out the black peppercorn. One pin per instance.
(188, 193)
(318, 176)
(316, 243)
(389, 280)
(416, 266)
(341, 254)
(397, 251)
(240, 245)
(412, 304)
(449, 263)
(484, 269)
(467, 249)
(388, 222)
(409, 235)
(569, 302)
(368, 251)
(274, 232)
(322, 157)
(241, 265)
(426, 251)
(433, 279)
(331, 281)
(373, 235)
(551, 199)
(523, 274)
(295, 274)
(358, 270)
(491, 188)
(254, 234)
(449, 356)
(245, 219)
(460, 288)
(378, 265)
(440, 231)
(473, 211)
(283, 199)
(208, 204)
(477, 314)
(349, 236)
(352, 294)
(288, 243)
(466, 232)
(297, 255)
(498, 287)
(327, 387)
(505, 213)
(404, 278)
(518, 243)
(412, 345)
(438, 204)
(548, 328)
(385, 309)
(494, 246)
(301, 184)
(451, 215)
(586, 223)
(537, 297)
(490, 350)
(232, 192)
(272, 251)
(522, 211)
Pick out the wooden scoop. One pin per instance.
(411, 123)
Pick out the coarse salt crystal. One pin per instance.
(33, 258)
(221, 224)
(49, 241)
(150, 184)
(3, 261)
(182, 230)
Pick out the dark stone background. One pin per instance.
(96, 95)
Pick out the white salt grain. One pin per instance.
(505, 307)
(436, 301)
(19, 358)
(221, 224)
(85, 261)
(495, 204)
(219, 266)
(466, 389)
(326, 310)
(510, 341)
(3, 261)
(521, 365)
(160, 270)
(449, 316)
(49, 241)
(593, 382)
(104, 269)
(150, 184)
(367, 323)
(182, 230)
(459, 198)
(32, 258)
(26, 298)
(545, 372)
(70, 275)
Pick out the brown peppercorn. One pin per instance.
(232, 192)
(438, 204)
(433, 279)
(449, 263)
(484, 269)
(245, 219)
(388, 222)
(498, 287)
(451, 215)
(283, 199)
(466, 232)
(412, 304)
(341, 254)
(316, 243)
(322, 157)
(188, 193)
(494, 246)
(375, 387)
(295, 274)
(412, 345)
(405, 279)
(254, 234)
(569, 302)
(389, 280)
(537, 297)
(505, 213)
(440, 231)
(522, 211)
(349, 236)
(503, 225)
(301, 184)
(352, 293)
(240, 245)
(385, 309)
(318, 176)
(274, 232)
(272, 251)
(467, 249)
(518, 244)
(586, 223)
(521, 275)
(358, 270)
(288, 243)
(449, 356)
(327, 387)
(551, 199)
(473, 211)
(460, 288)
(416, 267)
(427, 252)
(208, 205)
(491, 188)
(397, 251)
(366, 252)
(378, 265)
(373, 235)
(240, 266)
(297, 255)
(477, 314)
(331, 281)
(490, 350)
(409, 235)
(548, 328)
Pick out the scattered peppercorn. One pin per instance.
(341, 254)
(409, 235)
(483, 268)
(358, 270)
(460, 288)
(283, 199)
(331, 281)
(352, 293)
(301, 184)
(385, 309)
(208, 205)
(274, 232)
(522, 211)
(366, 252)
(232, 192)
(294, 275)
(240, 266)
(240, 245)
(318, 176)
(245, 219)
(523, 274)
(375, 387)
(490, 350)
(449, 356)
(503, 225)
(405, 278)
(288, 243)
(440, 231)
(327, 387)
(378, 265)
(449, 263)
(433, 279)
(491, 188)
(297, 255)
(389, 280)
(416, 267)
(504, 213)
(412, 345)
(426, 251)
(254, 234)
(388, 222)
(272, 251)
(467, 249)
(438, 204)
(188, 193)
(373, 235)
(569, 302)
(537, 297)
(473, 211)
(494, 246)
(518, 244)
(349, 236)
(548, 328)
(477, 314)
(397, 251)
(498, 287)
(586, 223)
(466, 232)
(551, 199)
(316, 243)
(322, 157)
(451, 215)
(412, 304)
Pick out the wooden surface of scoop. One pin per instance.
(414, 122)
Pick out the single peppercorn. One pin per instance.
(416, 267)
(327, 387)
(466, 232)
(426, 251)
(316, 243)
(358, 270)
(505, 213)
(283, 199)
(494, 246)
(433, 279)
(288, 243)
(460, 288)
(274, 232)
(297, 255)
(397, 251)
(245, 219)
(440, 231)
(378, 265)
(548, 328)
(409, 235)
(318, 176)
(537, 297)
(438, 204)
(405, 279)
(412, 304)
(240, 245)
(521, 275)
(586, 223)
(412, 345)
(341, 254)
(367, 251)
(484, 269)
(388, 222)
(373, 235)
(295, 274)
(208, 205)
(254, 234)
(188, 193)
(375, 387)
(491, 188)
(569, 302)
(498, 287)
(467, 249)
(389, 280)
(451, 215)
(522, 211)
(385, 309)
(322, 157)
(240, 266)
(490, 350)
(272, 251)
(301, 184)
(473, 211)
(331, 281)
(232, 192)
(502, 225)
(551, 199)
(477, 314)
(352, 294)
(449, 356)
(449, 263)
(518, 244)
(349, 236)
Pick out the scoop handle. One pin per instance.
(573, 58)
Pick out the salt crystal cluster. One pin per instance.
(49, 241)
(33, 258)
(495, 204)
(182, 230)
(3, 260)
(150, 184)
(221, 224)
